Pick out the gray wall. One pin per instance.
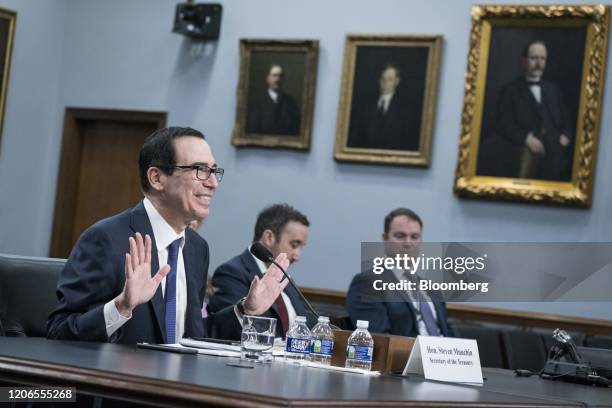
(121, 54)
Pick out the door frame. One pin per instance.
(70, 161)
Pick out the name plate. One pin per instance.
(445, 359)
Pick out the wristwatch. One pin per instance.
(240, 307)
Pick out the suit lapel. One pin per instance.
(389, 276)
(139, 222)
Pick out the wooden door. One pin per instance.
(98, 174)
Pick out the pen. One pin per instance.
(162, 347)
(218, 341)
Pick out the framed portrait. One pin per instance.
(388, 99)
(7, 33)
(532, 103)
(276, 93)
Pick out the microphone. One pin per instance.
(263, 254)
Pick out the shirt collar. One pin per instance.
(273, 95)
(387, 97)
(262, 266)
(163, 232)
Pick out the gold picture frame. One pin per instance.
(7, 35)
(496, 159)
(388, 99)
(276, 93)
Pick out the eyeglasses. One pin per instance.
(204, 172)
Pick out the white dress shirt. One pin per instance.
(163, 236)
(290, 309)
(384, 101)
(421, 327)
(273, 95)
(536, 91)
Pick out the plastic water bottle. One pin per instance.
(322, 342)
(360, 347)
(298, 340)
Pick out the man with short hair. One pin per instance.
(403, 313)
(533, 118)
(281, 229)
(274, 112)
(140, 276)
(385, 122)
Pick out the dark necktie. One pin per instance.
(428, 318)
(173, 250)
(282, 313)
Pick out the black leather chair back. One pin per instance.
(599, 341)
(524, 350)
(489, 344)
(27, 294)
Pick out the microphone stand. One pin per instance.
(292, 283)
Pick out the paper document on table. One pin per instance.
(210, 352)
(207, 345)
(312, 364)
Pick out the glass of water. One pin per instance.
(257, 338)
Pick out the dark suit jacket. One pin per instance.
(232, 281)
(280, 118)
(94, 274)
(389, 311)
(397, 129)
(519, 113)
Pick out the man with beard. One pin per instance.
(403, 313)
(274, 112)
(281, 229)
(532, 118)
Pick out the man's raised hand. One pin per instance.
(139, 286)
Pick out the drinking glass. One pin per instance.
(257, 338)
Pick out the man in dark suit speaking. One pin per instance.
(274, 112)
(404, 313)
(140, 276)
(533, 120)
(388, 121)
(281, 229)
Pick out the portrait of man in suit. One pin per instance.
(531, 103)
(276, 93)
(532, 115)
(386, 121)
(273, 111)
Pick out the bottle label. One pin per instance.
(323, 346)
(359, 352)
(295, 345)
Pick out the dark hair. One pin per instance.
(158, 151)
(398, 212)
(525, 50)
(275, 217)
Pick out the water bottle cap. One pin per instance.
(300, 318)
(323, 319)
(362, 324)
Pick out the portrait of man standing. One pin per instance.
(384, 122)
(274, 112)
(533, 118)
